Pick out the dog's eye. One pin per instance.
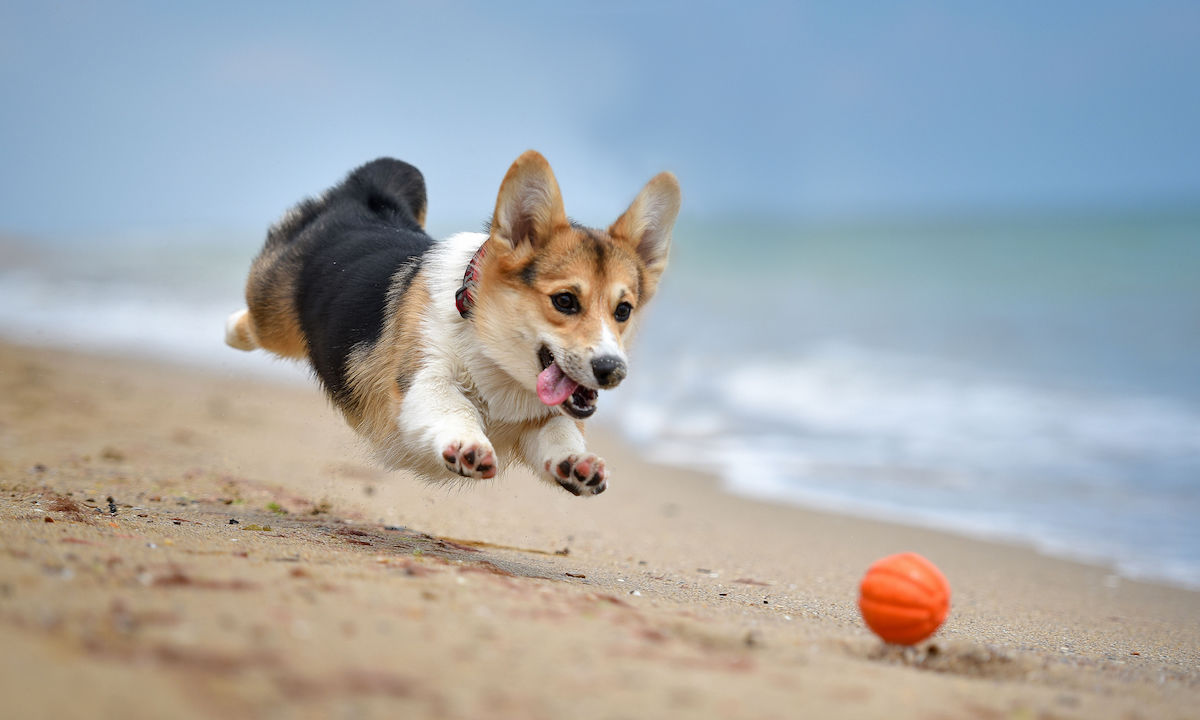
(622, 312)
(566, 303)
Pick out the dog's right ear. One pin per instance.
(529, 207)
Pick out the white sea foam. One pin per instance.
(930, 410)
(127, 318)
(1103, 479)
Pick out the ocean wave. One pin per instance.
(129, 318)
(1095, 477)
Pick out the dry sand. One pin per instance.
(346, 591)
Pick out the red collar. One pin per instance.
(464, 298)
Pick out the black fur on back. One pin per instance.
(351, 243)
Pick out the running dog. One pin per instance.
(457, 358)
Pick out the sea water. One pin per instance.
(1033, 380)
(1026, 379)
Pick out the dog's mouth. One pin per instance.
(555, 387)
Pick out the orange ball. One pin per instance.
(904, 598)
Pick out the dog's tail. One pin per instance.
(391, 190)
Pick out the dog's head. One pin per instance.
(557, 302)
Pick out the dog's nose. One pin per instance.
(609, 370)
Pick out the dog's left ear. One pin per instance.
(647, 224)
(529, 206)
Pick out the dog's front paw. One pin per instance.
(579, 474)
(470, 459)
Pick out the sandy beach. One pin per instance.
(176, 543)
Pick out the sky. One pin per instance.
(126, 117)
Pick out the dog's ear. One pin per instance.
(529, 207)
(646, 225)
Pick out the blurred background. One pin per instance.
(937, 262)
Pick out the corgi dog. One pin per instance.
(456, 359)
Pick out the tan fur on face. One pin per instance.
(534, 253)
(586, 263)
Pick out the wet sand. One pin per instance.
(253, 563)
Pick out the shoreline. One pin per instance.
(294, 376)
(1125, 509)
(375, 592)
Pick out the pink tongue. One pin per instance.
(553, 386)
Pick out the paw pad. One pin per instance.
(470, 460)
(579, 474)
